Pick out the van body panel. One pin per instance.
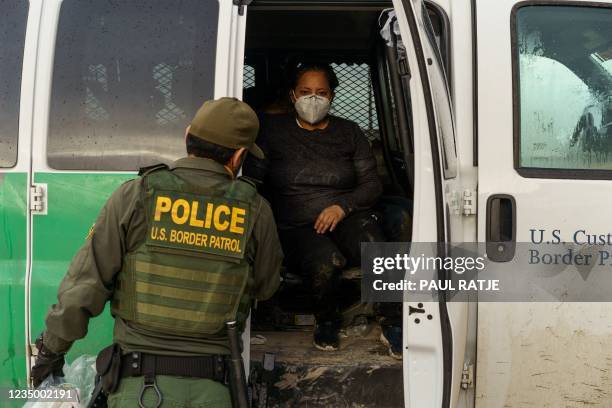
(74, 202)
(434, 349)
(423, 349)
(550, 353)
(464, 316)
(75, 197)
(13, 264)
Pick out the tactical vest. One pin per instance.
(193, 271)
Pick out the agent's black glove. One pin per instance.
(47, 362)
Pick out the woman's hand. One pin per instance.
(329, 218)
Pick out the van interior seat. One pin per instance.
(381, 167)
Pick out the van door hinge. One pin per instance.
(467, 376)
(469, 202)
(241, 4)
(38, 199)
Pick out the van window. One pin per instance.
(249, 76)
(564, 88)
(13, 17)
(128, 77)
(354, 97)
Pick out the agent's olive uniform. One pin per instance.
(113, 253)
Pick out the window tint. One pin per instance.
(13, 17)
(128, 77)
(565, 87)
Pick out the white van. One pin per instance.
(470, 105)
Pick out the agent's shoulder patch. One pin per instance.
(143, 171)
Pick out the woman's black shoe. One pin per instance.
(391, 336)
(326, 336)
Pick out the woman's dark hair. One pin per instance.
(304, 67)
(201, 148)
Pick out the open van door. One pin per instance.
(434, 333)
(15, 131)
(544, 125)
(116, 84)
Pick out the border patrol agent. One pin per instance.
(179, 251)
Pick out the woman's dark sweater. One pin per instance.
(306, 171)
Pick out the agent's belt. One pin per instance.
(136, 364)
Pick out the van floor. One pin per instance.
(289, 371)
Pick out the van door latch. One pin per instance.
(38, 199)
(241, 4)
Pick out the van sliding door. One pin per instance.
(117, 83)
(434, 332)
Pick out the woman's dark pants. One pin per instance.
(320, 258)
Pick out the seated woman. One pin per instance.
(320, 176)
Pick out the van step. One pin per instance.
(287, 371)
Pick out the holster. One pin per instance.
(108, 366)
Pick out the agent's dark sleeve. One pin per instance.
(368, 187)
(269, 254)
(88, 284)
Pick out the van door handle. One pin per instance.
(501, 228)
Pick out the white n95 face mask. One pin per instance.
(312, 108)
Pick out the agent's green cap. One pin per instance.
(227, 122)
